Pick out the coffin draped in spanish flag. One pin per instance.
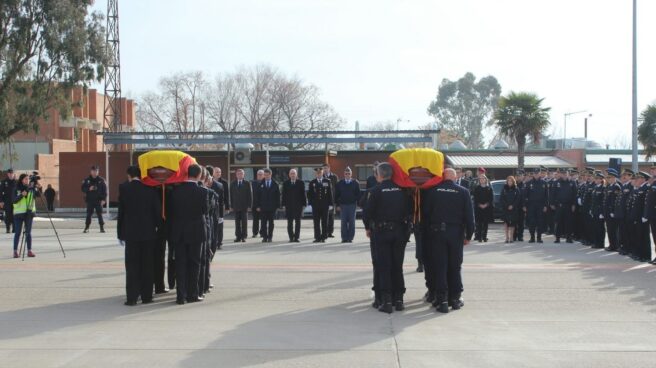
(164, 167)
(417, 167)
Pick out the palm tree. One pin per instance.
(519, 115)
(647, 131)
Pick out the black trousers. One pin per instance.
(139, 270)
(589, 229)
(241, 224)
(187, 267)
(427, 256)
(374, 263)
(217, 237)
(204, 277)
(641, 241)
(419, 244)
(256, 223)
(159, 260)
(563, 221)
(599, 232)
(629, 237)
(9, 216)
(331, 221)
(612, 226)
(447, 263)
(51, 205)
(267, 224)
(535, 216)
(550, 220)
(170, 266)
(294, 224)
(320, 219)
(390, 251)
(652, 225)
(519, 229)
(91, 207)
(481, 229)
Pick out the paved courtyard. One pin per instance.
(307, 305)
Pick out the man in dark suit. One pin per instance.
(221, 191)
(139, 217)
(294, 200)
(267, 202)
(320, 197)
(241, 194)
(255, 185)
(331, 210)
(462, 179)
(189, 204)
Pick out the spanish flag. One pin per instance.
(175, 161)
(404, 160)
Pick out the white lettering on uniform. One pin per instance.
(447, 190)
(390, 190)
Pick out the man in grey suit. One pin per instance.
(241, 195)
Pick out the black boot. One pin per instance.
(420, 266)
(540, 238)
(398, 302)
(86, 229)
(429, 297)
(532, 240)
(376, 303)
(441, 305)
(386, 305)
(102, 228)
(456, 303)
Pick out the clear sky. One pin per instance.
(381, 60)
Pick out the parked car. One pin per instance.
(497, 187)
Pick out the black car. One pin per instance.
(497, 187)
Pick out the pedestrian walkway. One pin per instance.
(308, 305)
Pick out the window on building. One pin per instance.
(363, 172)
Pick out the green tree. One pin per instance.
(521, 115)
(464, 106)
(647, 130)
(47, 47)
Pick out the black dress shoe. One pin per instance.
(540, 241)
(211, 286)
(557, 240)
(147, 301)
(162, 291)
(457, 304)
(398, 305)
(237, 240)
(195, 300)
(570, 241)
(316, 241)
(331, 236)
(130, 303)
(420, 267)
(296, 240)
(264, 240)
(179, 301)
(243, 240)
(443, 307)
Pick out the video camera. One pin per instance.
(34, 178)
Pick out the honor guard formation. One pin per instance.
(171, 216)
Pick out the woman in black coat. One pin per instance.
(483, 208)
(510, 200)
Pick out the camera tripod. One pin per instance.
(30, 213)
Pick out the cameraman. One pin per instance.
(95, 195)
(27, 189)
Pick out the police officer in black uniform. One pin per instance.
(521, 185)
(320, 197)
(598, 195)
(650, 206)
(449, 217)
(331, 211)
(389, 210)
(613, 191)
(535, 201)
(95, 195)
(7, 194)
(588, 223)
(622, 214)
(579, 221)
(562, 199)
(640, 236)
(364, 200)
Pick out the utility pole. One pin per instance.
(634, 107)
(112, 99)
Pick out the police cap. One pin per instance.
(644, 175)
(612, 172)
(628, 172)
(95, 167)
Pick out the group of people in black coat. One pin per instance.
(191, 222)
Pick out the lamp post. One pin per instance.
(634, 106)
(585, 127)
(565, 121)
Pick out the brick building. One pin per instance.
(77, 133)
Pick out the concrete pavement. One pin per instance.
(307, 305)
